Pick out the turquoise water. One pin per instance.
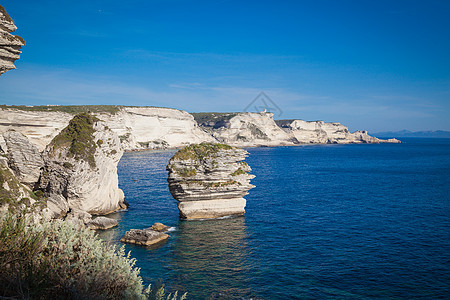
(327, 222)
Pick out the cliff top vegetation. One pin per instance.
(199, 151)
(78, 136)
(72, 109)
(204, 118)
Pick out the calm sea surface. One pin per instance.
(327, 222)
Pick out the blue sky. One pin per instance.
(375, 65)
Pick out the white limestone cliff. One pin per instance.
(250, 130)
(40, 127)
(319, 132)
(23, 158)
(9, 44)
(82, 176)
(141, 128)
(155, 128)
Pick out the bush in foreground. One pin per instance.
(56, 260)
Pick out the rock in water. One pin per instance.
(102, 223)
(160, 227)
(145, 237)
(209, 180)
(9, 44)
(80, 169)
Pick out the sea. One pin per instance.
(368, 221)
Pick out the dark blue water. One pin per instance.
(333, 222)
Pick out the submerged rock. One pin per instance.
(144, 237)
(209, 180)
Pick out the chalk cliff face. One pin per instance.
(155, 128)
(209, 180)
(23, 158)
(138, 128)
(40, 127)
(142, 128)
(80, 171)
(245, 129)
(319, 132)
(9, 44)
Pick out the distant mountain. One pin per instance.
(419, 134)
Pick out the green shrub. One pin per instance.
(205, 119)
(238, 172)
(185, 172)
(78, 137)
(71, 109)
(199, 151)
(56, 260)
(67, 165)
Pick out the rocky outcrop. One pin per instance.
(209, 180)
(144, 237)
(80, 169)
(245, 129)
(9, 44)
(319, 132)
(16, 196)
(160, 227)
(102, 223)
(23, 158)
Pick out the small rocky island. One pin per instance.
(209, 180)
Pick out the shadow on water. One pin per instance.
(209, 259)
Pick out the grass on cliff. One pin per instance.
(10, 193)
(78, 137)
(218, 118)
(199, 151)
(70, 109)
(238, 172)
(57, 260)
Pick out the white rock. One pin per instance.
(23, 158)
(74, 183)
(209, 181)
(9, 44)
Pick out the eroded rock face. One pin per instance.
(209, 180)
(319, 132)
(155, 128)
(23, 158)
(245, 129)
(80, 169)
(161, 128)
(9, 44)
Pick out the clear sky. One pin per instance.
(375, 65)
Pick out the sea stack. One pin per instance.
(209, 180)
